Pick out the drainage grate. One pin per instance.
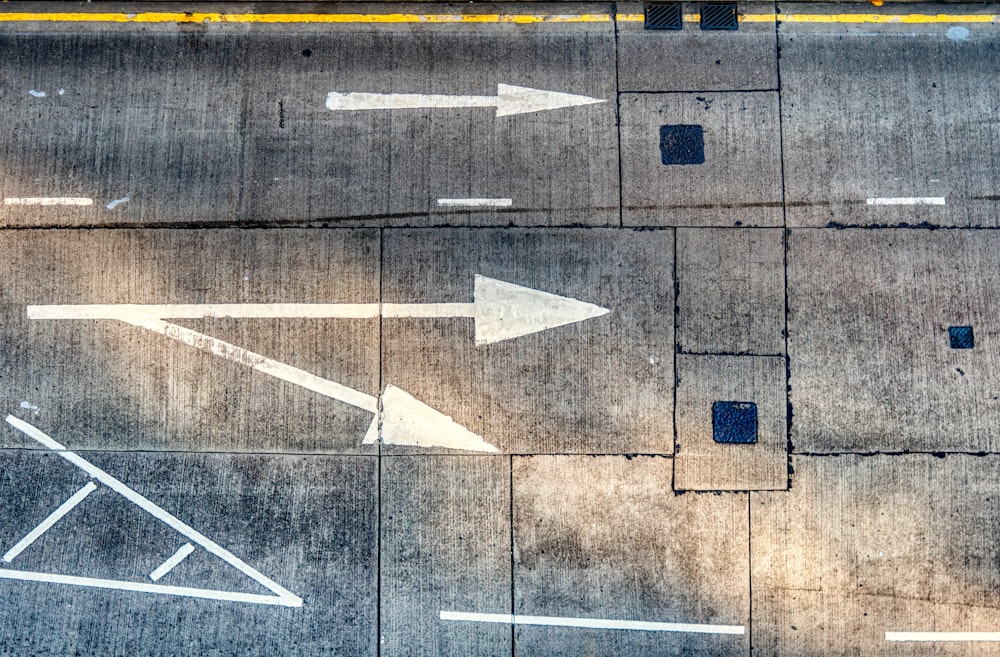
(734, 422)
(719, 16)
(664, 16)
(961, 337)
(682, 144)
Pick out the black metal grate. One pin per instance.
(961, 337)
(719, 16)
(682, 144)
(664, 16)
(734, 422)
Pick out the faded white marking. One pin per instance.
(505, 310)
(942, 636)
(30, 407)
(906, 200)
(48, 200)
(49, 521)
(61, 92)
(118, 201)
(957, 33)
(36, 94)
(180, 555)
(592, 623)
(282, 595)
(509, 100)
(475, 202)
(408, 421)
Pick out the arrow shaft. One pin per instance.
(338, 101)
(253, 310)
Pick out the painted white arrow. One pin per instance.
(508, 101)
(501, 311)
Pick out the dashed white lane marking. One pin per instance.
(475, 202)
(48, 200)
(906, 200)
(592, 623)
(180, 555)
(942, 636)
(52, 519)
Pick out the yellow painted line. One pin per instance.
(215, 17)
(431, 19)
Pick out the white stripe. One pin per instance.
(142, 587)
(942, 636)
(50, 200)
(254, 310)
(476, 202)
(593, 623)
(171, 563)
(52, 519)
(906, 200)
(289, 598)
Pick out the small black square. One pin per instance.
(719, 16)
(682, 144)
(664, 16)
(734, 422)
(961, 337)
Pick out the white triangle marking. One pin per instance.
(282, 596)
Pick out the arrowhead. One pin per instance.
(408, 421)
(524, 100)
(504, 310)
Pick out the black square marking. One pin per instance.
(719, 16)
(664, 16)
(961, 337)
(682, 144)
(734, 422)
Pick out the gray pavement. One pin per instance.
(699, 360)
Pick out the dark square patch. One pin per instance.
(961, 337)
(663, 16)
(719, 16)
(734, 422)
(682, 144)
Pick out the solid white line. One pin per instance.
(593, 623)
(253, 310)
(142, 587)
(51, 200)
(906, 200)
(290, 599)
(942, 636)
(52, 519)
(171, 563)
(476, 202)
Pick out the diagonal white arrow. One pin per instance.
(509, 100)
(501, 311)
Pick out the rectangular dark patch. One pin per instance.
(734, 422)
(682, 144)
(719, 16)
(961, 337)
(663, 16)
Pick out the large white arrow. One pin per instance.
(501, 311)
(509, 100)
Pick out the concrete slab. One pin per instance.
(703, 463)
(739, 182)
(730, 291)
(112, 385)
(309, 524)
(865, 545)
(445, 547)
(602, 385)
(898, 111)
(605, 537)
(872, 368)
(189, 134)
(696, 60)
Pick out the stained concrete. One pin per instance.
(739, 183)
(605, 537)
(598, 386)
(701, 463)
(730, 291)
